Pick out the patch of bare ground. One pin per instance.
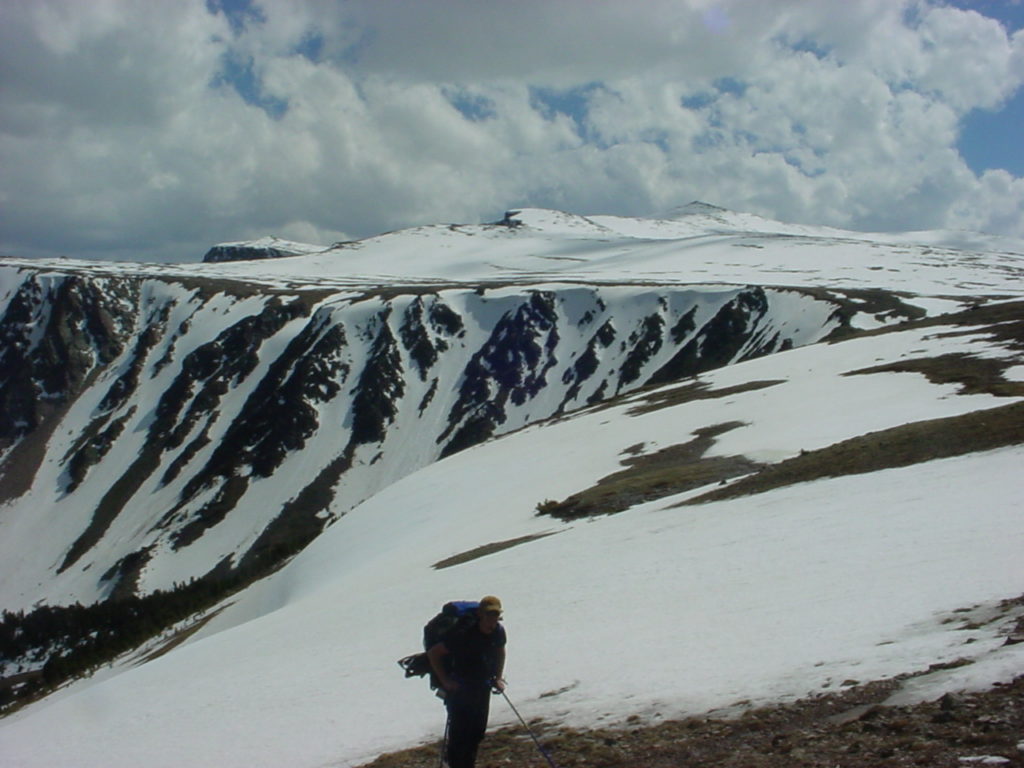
(897, 447)
(850, 728)
(1003, 321)
(697, 390)
(488, 549)
(671, 470)
(881, 304)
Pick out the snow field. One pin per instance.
(658, 611)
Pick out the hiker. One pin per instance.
(469, 662)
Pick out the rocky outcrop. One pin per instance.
(511, 367)
(735, 333)
(54, 333)
(264, 248)
(380, 388)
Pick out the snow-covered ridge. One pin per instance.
(693, 245)
(700, 244)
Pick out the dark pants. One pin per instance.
(468, 709)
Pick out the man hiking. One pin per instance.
(468, 663)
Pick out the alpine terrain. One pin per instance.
(709, 461)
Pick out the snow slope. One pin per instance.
(658, 611)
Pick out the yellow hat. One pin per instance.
(490, 603)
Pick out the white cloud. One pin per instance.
(134, 129)
(994, 204)
(965, 59)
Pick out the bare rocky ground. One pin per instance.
(850, 729)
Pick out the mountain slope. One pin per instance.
(204, 407)
(192, 431)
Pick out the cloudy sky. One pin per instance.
(152, 129)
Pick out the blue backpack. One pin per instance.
(454, 615)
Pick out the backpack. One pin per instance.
(454, 615)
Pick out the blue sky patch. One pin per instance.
(311, 47)
(472, 106)
(239, 13)
(1010, 13)
(238, 72)
(731, 85)
(571, 102)
(994, 139)
(806, 45)
(725, 85)
(699, 100)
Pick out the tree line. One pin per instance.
(76, 639)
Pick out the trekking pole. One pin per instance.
(533, 736)
(444, 742)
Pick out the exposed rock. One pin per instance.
(54, 334)
(380, 387)
(720, 341)
(264, 248)
(642, 346)
(510, 367)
